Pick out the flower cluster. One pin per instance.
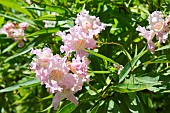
(15, 31)
(158, 26)
(59, 75)
(82, 35)
(63, 76)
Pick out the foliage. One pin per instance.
(142, 85)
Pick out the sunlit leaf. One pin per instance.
(25, 84)
(14, 5)
(9, 47)
(68, 108)
(44, 31)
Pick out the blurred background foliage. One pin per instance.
(143, 86)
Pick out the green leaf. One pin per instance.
(125, 88)
(104, 107)
(35, 8)
(68, 108)
(164, 47)
(58, 9)
(9, 48)
(10, 17)
(25, 84)
(20, 53)
(1, 21)
(44, 31)
(160, 59)
(47, 17)
(51, 17)
(14, 5)
(49, 107)
(127, 68)
(100, 72)
(95, 109)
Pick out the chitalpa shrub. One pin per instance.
(60, 75)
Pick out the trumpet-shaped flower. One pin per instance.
(148, 35)
(60, 76)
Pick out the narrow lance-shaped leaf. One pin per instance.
(20, 53)
(9, 47)
(45, 110)
(14, 87)
(44, 31)
(160, 59)
(127, 68)
(95, 109)
(14, 5)
(58, 9)
(163, 47)
(125, 88)
(102, 56)
(68, 108)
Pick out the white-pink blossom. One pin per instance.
(23, 25)
(77, 40)
(81, 36)
(158, 26)
(89, 23)
(69, 95)
(60, 76)
(15, 31)
(156, 21)
(119, 67)
(148, 35)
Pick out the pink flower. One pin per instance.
(78, 40)
(148, 35)
(23, 25)
(65, 94)
(63, 76)
(79, 65)
(41, 62)
(15, 31)
(60, 76)
(156, 21)
(43, 58)
(159, 25)
(162, 37)
(151, 47)
(89, 23)
(81, 36)
(8, 26)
